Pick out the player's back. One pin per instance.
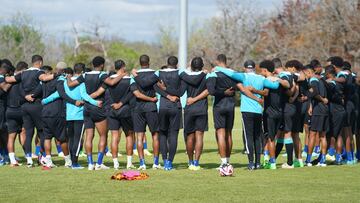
(172, 80)
(121, 93)
(93, 81)
(144, 82)
(223, 83)
(195, 85)
(30, 80)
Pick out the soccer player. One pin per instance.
(195, 111)
(273, 110)
(223, 89)
(95, 116)
(170, 112)
(337, 113)
(30, 84)
(14, 120)
(119, 117)
(5, 68)
(345, 78)
(145, 110)
(319, 115)
(251, 110)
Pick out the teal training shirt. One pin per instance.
(250, 79)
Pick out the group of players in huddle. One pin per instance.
(277, 103)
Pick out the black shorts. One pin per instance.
(224, 118)
(54, 127)
(319, 123)
(14, 120)
(337, 121)
(350, 115)
(116, 123)
(298, 119)
(92, 115)
(2, 117)
(194, 123)
(32, 115)
(141, 119)
(170, 119)
(288, 119)
(272, 125)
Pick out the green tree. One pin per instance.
(118, 50)
(20, 38)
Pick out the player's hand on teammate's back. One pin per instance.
(190, 101)
(134, 72)
(154, 99)
(116, 106)
(29, 98)
(100, 104)
(161, 85)
(79, 103)
(229, 92)
(172, 98)
(325, 101)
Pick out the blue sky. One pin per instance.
(133, 20)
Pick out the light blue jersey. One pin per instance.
(250, 79)
(77, 93)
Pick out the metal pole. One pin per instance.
(183, 34)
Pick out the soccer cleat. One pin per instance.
(309, 164)
(76, 167)
(330, 158)
(29, 165)
(287, 166)
(257, 166)
(2, 162)
(82, 154)
(298, 164)
(116, 166)
(169, 166)
(108, 154)
(101, 167)
(147, 153)
(349, 162)
(251, 167)
(155, 167)
(191, 167)
(15, 164)
(61, 154)
(272, 166)
(130, 167)
(321, 164)
(91, 167)
(135, 152)
(142, 167)
(266, 160)
(68, 164)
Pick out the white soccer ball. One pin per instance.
(226, 170)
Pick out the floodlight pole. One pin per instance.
(183, 34)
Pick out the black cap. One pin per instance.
(249, 64)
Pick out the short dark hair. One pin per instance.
(337, 61)
(144, 60)
(308, 67)
(172, 61)
(268, 65)
(98, 61)
(6, 67)
(119, 64)
(197, 64)
(277, 62)
(294, 63)
(347, 65)
(47, 68)
(79, 68)
(315, 63)
(87, 69)
(163, 67)
(7, 61)
(21, 66)
(330, 70)
(36, 58)
(221, 58)
(68, 70)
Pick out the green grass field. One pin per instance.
(330, 184)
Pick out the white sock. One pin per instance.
(67, 158)
(12, 157)
(227, 159)
(116, 162)
(223, 161)
(129, 160)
